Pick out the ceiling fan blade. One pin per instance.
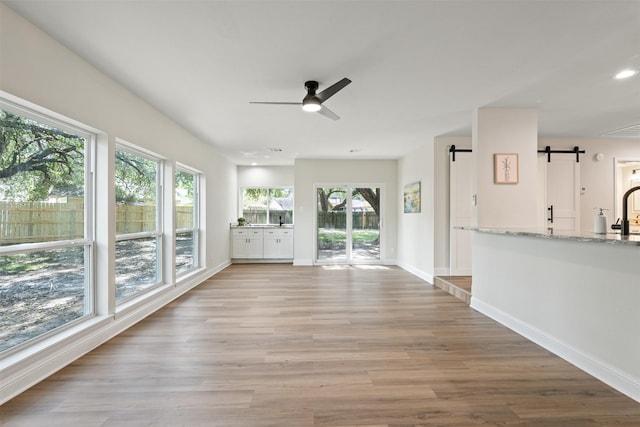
(328, 113)
(276, 103)
(331, 90)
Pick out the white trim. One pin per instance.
(196, 226)
(606, 373)
(130, 147)
(21, 371)
(349, 186)
(268, 210)
(416, 272)
(140, 235)
(43, 246)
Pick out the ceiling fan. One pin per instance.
(313, 101)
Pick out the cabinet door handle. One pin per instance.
(550, 209)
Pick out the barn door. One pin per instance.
(562, 191)
(460, 205)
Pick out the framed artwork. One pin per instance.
(505, 168)
(412, 197)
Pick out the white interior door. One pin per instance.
(562, 192)
(460, 211)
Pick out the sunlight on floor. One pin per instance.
(350, 266)
(372, 267)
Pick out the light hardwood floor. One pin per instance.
(277, 345)
(458, 286)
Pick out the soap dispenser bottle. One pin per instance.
(600, 222)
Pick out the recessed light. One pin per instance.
(254, 164)
(625, 74)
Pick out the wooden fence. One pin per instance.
(27, 222)
(364, 220)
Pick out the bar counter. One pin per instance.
(581, 236)
(575, 294)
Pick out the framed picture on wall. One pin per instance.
(505, 168)
(412, 197)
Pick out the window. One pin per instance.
(138, 233)
(46, 241)
(187, 220)
(267, 205)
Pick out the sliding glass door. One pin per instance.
(348, 224)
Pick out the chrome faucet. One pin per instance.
(624, 230)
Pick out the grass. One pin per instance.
(333, 236)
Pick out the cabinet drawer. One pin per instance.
(270, 232)
(277, 232)
(247, 232)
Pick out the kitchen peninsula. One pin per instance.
(575, 294)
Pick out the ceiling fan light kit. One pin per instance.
(312, 102)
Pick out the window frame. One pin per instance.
(195, 229)
(88, 242)
(158, 233)
(269, 190)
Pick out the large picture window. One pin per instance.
(45, 238)
(138, 232)
(267, 205)
(187, 220)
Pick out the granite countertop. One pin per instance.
(609, 238)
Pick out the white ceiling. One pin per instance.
(419, 68)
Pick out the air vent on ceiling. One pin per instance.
(275, 150)
(632, 131)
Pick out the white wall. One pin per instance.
(505, 130)
(308, 173)
(38, 69)
(416, 230)
(265, 176)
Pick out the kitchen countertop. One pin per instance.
(609, 238)
(262, 226)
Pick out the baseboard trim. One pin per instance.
(416, 272)
(624, 383)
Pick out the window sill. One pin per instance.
(65, 337)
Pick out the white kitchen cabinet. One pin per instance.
(247, 243)
(261, 243)
(278, 243)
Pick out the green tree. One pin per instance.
(37, 160)
(371, 195)
(135, 178)
(185, 182)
